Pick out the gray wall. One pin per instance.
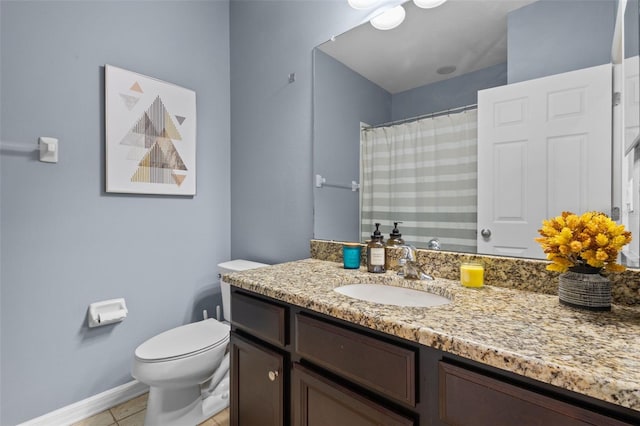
(446, 94)
(271, 148)
(65, 243)
(342, 99)
(550, 37)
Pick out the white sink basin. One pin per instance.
(392, 295)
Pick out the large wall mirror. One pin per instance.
(461, 62)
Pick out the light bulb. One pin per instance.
(362, 4)
(428, 4)
(389, 19)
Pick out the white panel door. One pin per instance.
(544, 146)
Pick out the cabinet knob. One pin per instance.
(273, 375)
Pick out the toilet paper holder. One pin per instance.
(106, 312)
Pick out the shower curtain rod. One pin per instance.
(419, 117)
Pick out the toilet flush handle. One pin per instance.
(273, 375)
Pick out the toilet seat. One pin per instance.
(184, 341)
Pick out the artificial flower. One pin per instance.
(591, 239)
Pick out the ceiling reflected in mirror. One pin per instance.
(410, 55)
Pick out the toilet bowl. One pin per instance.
(174, 364)
(187, 367)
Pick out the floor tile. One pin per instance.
(130, 407)
(134, 420)
(132, 412)
(101, 419)
(222, 418)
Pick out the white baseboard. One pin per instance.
(90, 406)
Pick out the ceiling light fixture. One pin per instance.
(427, 4)
(390, 19)
(362, 4)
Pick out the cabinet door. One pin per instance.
(257, 384)
(468, 398)
(320, 402)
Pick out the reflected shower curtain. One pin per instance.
(423, 174)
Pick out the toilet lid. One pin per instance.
(184, 341)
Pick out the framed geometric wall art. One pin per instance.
(150, 135)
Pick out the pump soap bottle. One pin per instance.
(375, 252)
(395, 241)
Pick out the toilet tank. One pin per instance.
(226, 268)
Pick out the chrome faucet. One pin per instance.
(409, 267)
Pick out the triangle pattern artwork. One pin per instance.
(136, 153)
(170, 130)
(129, 101)
(136, 88)
(163, 155)
(178, 178)
(142, 133)
(150, 135)
(156, 132)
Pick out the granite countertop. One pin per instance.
(531, 334)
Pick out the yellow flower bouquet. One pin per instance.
(590, 240)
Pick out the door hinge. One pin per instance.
(617, 98)
(615, 213)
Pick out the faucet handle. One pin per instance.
(433, 244)
(408, 253)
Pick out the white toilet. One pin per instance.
(187, 367)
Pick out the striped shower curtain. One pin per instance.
(423, 174)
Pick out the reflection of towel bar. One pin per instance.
(320, 182)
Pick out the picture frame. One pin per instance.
(150, 128)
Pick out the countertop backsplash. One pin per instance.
(508, 272)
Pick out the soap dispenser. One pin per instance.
(395, 241)
(375, 252)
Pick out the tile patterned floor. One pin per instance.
(131, 413)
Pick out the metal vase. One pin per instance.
(586, 289)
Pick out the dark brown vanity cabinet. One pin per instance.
(294, 367)
(259, 363)
(290, 367)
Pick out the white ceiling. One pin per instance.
(467, 34)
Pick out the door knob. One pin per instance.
(273, 375)
(486, 233)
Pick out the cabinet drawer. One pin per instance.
(470, 398)
(318, 401)
(261, 318)
(383, 367)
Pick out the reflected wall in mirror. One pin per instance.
(439, 60)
